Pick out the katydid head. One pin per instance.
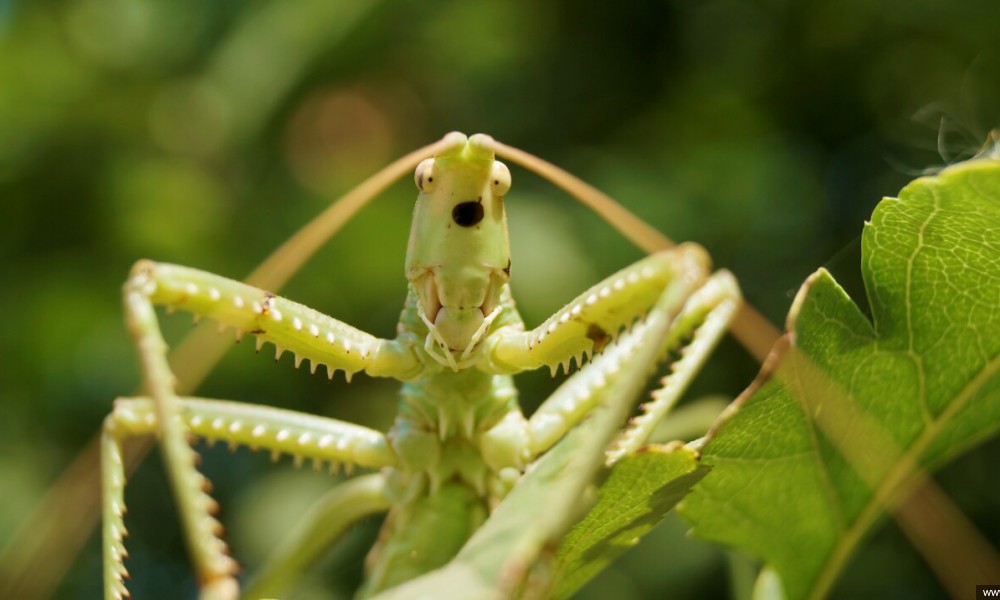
(458, 257)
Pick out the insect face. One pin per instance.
(458, 256)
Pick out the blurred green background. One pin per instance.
(205, 132)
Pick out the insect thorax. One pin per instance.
(443, 487)
(441, 421)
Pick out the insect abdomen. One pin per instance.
(422, 535)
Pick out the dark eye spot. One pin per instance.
(467, 214)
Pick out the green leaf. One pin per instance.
(635, 497)
(853, 411)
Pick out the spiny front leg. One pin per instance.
(588, 323)
(693, 333)
(305, 437)
(697, 320)
(308, 334)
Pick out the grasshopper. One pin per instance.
(460, 440)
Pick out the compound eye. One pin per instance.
(499, 179)
(424, 176)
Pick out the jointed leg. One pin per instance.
(214, 568)
(279, 431)
(308, 334)
(304, 331)
(699, 314)
(699, 327)
(588, 323)
(579, 394)
(702, 320)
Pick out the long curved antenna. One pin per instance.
(284, 262)
(639, 232)
(750, 328)
(198, 353)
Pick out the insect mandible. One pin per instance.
(460, 440)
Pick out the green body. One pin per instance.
(457, 263)
(443, 497)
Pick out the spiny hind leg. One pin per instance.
(696, 331)
(214, 567)
(215, 576)
(305, 437)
